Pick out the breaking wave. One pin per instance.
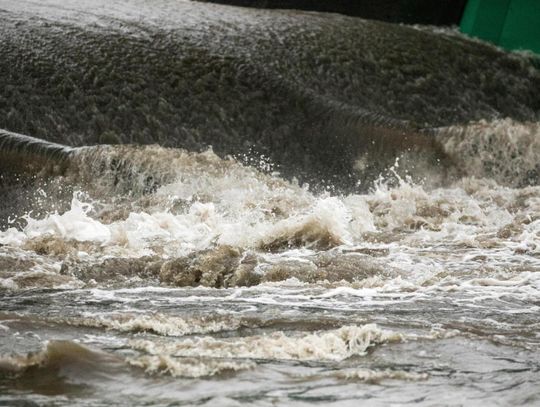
(333, 345)
(201, 356)
(188, 219)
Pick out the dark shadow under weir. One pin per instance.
(440, 12)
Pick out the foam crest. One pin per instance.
(333, 345)
(187, 367)
(158, 323)
(74, 224)
(327, 225)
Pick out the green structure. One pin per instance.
(512, 24)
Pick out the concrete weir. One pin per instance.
(315, 93)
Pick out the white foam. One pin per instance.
(187, 367)
(335, 345)
(12, 237)
(427, 240)
(157, 323)
(74, 224)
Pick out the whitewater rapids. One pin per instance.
(226, 283)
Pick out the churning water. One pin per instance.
(146, 275)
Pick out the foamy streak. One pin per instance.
(330, 345)
(376, 376)
(187, 367)
(158, 323)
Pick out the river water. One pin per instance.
(233, 286)
(146, 275)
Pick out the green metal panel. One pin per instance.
(513, 24)
(522, 27)
(485, 18)
(469, 14)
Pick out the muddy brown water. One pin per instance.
(162, 276)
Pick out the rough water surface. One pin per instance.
(162, 276)
(225, 284)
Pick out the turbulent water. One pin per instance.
(225, 284)
(146, 275)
